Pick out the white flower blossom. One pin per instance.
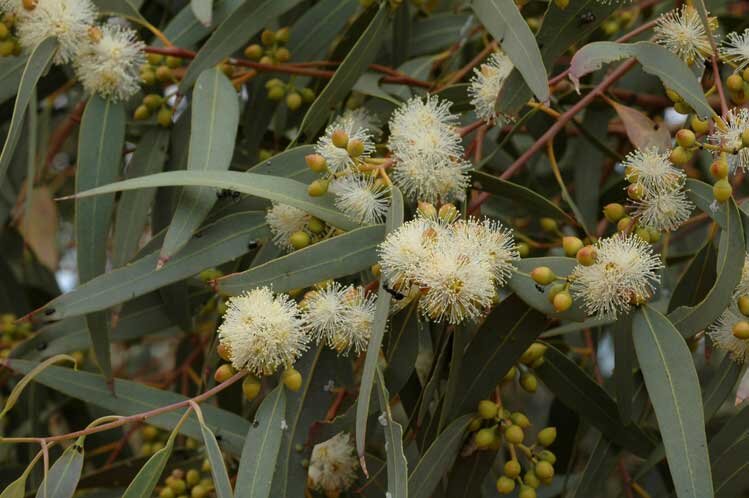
(736, 121)
(625, 272)
(284, 220)
(486, 84)
(337, 158)
(742, 289)
(262, 332)
(682, 32)
(110, 66)
(332, 466)
(428, 151)
(491, 238)
(458, 280)
(664, 210)
(341, 317)
(652, 169)
(736, 49)
(721, 333)
(360, 198)
(67, 20)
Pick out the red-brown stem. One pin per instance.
(63, 132)
(719, 83)
(460, 73)
(138, 417)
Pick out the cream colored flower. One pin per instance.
(721, 333)
(486, 84)
(332, 466)
(284, 220)
(682, 32)
(729, 138)
(360, 198)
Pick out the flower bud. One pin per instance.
(282, 35)
(339, 138)
(282, 54)
(192, 477)
(735, 83)
(164, 74)
(510, 375)
(614, 212)
(722, 190)
(267, 37)
(548, 224)
(224, 352)
(475, 424)
(571, 245)
(544, 470)
(317, 188)
(316, 163)
(635, 191)
(529, 382)
(448, 213)
(487, 409)
(562, 301)
(299, 240)
(547, 456)
(149, 433)
(427, 210)
(587, 255)
(745, 138)
(523, 249)
(292, 379)
(308, 95)
(531, 479)
(527, 492)
(673, 96)
(624, 224)
(700, 126)
(29, 4)
(484, 438)
(680, 155)
(534, 351)
(251, 387)
(519, 419)
(719, 169)
(141, 112)
(505, 485)
(685, 138)
(547, 436)
(315, 226)
(224, 373)
(355, 148)
(276, 92)
(512, 469)
(253, 52)
(543, 275)
(514, 434)
(153, 101)
(562, 4)
(293, 101)
(740, 330)
(743, 303)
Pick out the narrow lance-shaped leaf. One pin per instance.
(131, 216)
(100, 144)
(673, 386)
(215, 118)
(332, 258)
(503, 20)
(218, 466)
(36, 66)
(624, 362)
(261, 446)
(382, 310)
(203, 10)
(655, 59)
(269, 187)
(397, 467)
(18, 389)
(63, 476)
(356, 61)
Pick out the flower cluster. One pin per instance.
(293, 228)
(106, 58)
(486, 84)
(332, 466)
(729, 138)
(682, 32)
(730, 332)
(736, 49)
(261, 331)
(341, 317)
(623, 271)
(428, 151)
(657, 190)
(457, 266)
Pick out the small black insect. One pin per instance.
(539, 288)
(396, 295)
(253, 244)
(225, 193)
(235, 194)
(255, 423)
(586, 17)
(41, 346)
(49, 311)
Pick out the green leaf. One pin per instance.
(313, 32)
(505, 23)
(382, 310)
(145, 482)
(234, 32)
(217, 243)
(624, 358)
(100, 144)
(694, 284)
(203, 10)
(63, 476)
(655, 60)
(10, 402)
(261, 447)
(560, 29)
(397, 467)
(133, 398)
(732, 433)
(721, 386)
(332, 258)
(435, 32)
(303, 408)
(730, 471)
(11, 70)
(269, 187)
(401, 35)
(354, 64)
(215, 118)
(437, 459)
(403, 346)
(184, 29)
(673, 386)
(36, 66)
(527, 289)
(581, 393)
(131, 216)
(288, 164)
(119, 7)
(597, 470)
(16, 489)
(221, 481)
(523, 196)
(468, 474)
(691, 319)
(504, 335)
